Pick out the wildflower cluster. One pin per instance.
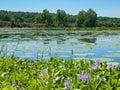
(95, 66)
(58, 74)
(84, 77)
(110, 66)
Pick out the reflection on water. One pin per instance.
(76, 45)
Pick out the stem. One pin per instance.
(97, 85)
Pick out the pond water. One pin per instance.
(36, 44)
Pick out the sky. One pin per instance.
(110, 8)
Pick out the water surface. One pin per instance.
(35, 44)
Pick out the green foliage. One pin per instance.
(46, 18)
(16, 74)
(61, 18)
(81, 18)
(91, 18)
(38, 18)
(87, 19)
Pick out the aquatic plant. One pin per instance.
(57, 74)
(110, 66)
(84, 77)
(14, 84)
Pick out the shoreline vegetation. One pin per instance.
(18, 73)
(84, 19)
(65, 28)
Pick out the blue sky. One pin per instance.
(109, 8)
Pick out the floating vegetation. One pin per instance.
(74, 43)
(61, 42)
(58, 74)
(85, 36)
(89, 40)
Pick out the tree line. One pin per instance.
(59, 19)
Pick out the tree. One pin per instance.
(29, 19)
(80, 18)
(38, 18)
(4, 16)
(61, 18)
(90, 18)
(46, 18)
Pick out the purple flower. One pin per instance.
(92, 67)
(40, 75)
(14, 84)
(45, 71)
(110, 66)
(20, 59)
(97, 62)
(66, 83)
(84, 77)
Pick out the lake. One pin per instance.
(76, 45)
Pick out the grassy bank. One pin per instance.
(67, 28)
(58, 74)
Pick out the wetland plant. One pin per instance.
(57, 74)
